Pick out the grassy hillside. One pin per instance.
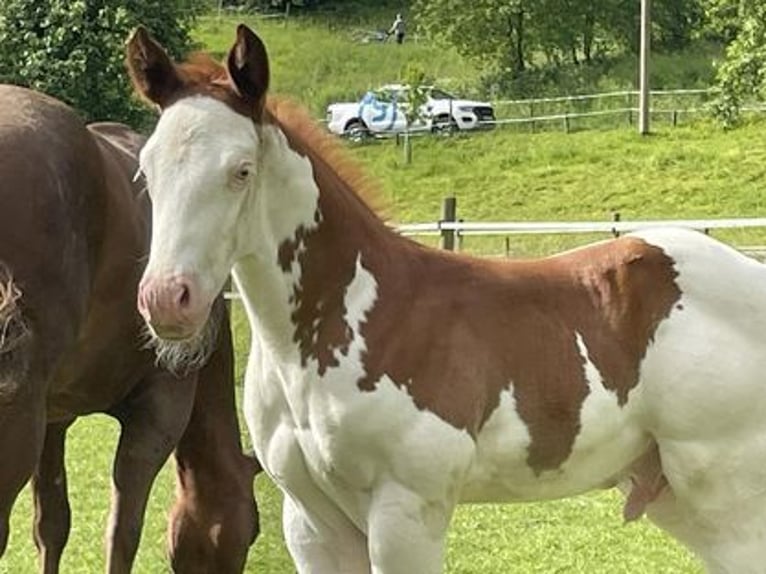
(320, 62)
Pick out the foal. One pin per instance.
(389, 382)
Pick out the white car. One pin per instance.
(382, 111)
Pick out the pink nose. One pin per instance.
(170, 305)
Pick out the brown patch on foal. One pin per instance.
(456, 332)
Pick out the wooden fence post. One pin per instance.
(615, 217)
(449, 213)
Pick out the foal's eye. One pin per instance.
(242, 172)
(240, 175)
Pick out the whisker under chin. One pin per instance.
(184, 357)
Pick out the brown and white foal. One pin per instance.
(388, 382)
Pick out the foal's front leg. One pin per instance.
(323, 543)
(153, 418)
(49, 489)
(407, 531)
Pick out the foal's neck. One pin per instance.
(318, 233)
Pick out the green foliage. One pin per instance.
(521, 41)
(415, 77)
(74, 49)
(742, 75)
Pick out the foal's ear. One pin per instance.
(248, 66)
(151, 70)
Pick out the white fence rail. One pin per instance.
(560, 227)
(669, 104)
(451, 229)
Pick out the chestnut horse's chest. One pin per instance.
(108, 347)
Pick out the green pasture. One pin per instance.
(697, 170)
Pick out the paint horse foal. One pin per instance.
(394, 381)
(74, 229)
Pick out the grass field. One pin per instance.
(694, 171)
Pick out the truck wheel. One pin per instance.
(444, 125)
(356, 131)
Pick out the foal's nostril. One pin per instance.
(184, 298)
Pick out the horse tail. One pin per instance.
(14, 333)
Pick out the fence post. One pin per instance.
(532, 116)
(566, 123)
(449, 213)
(615, 217)
(674, 118)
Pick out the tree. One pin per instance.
(488, 29)
(415, 77)
(742, 74)
(74, 49)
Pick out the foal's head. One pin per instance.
(202, 170)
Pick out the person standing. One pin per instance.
(397, 28)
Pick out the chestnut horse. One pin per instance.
(74, 231)
(389, 382)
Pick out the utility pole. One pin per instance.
(643, 96)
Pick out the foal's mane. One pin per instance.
(325, 149)
(201, 73)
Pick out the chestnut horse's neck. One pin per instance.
(319, 235)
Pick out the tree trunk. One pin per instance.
(587, 36)
(516, 28)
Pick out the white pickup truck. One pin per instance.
(382, 111)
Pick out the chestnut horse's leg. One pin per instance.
(49, 488)
(215, 519)
(153, 418)
(22, 431)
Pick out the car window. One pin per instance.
(438, 94)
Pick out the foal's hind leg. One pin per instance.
(715, 502)
(153, 418)
(49, 487)
(730, 539)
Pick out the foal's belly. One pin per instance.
(608, 441)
